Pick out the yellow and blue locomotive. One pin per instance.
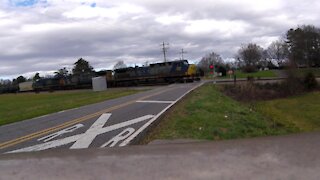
(165, 72)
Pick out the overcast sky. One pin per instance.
(45, 35)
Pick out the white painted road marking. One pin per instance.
(121, 136)
(90, 134)
(59, 133)
(95, 130)
(161, 102)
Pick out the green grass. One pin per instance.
(18, 107)
(303, 71)
(261, 74)
(208, 114)
(302, 111)
(270, 73)
(240, 74)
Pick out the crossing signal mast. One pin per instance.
(165, 47)
(211, 67)
(182, 52)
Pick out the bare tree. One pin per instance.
(249, 57)
(210, 59)
(146, 63)
(278, 50)
(120, 64)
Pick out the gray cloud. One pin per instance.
(48, 36)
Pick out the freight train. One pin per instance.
(165, 72)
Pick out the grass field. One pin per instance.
(208, 114)
(270, 73)
(304, 71)
(240, 74)
(17, 107)
(302, 111)
(259, 74)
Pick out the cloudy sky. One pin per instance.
(45, 35)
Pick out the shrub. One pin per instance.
(310, 81)
(292, 85)
(249, 69)
(250, 78)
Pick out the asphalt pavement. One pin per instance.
(110, 123)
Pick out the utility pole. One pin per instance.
(182, 52)
(164, 50)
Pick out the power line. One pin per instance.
(164, 50)
(182, 52)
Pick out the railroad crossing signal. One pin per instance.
(211, 67)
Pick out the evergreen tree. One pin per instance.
(304, 46)
(82, 67)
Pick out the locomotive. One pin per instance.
(165, 72)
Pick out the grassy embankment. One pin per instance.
(208, 114)
(18, 107)
(302, 111)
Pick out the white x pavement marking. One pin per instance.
(85, 139)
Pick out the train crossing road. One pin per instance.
(111, 123)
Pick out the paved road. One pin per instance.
(284, 157)
(107, 124)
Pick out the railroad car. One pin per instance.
(51, 84)
(26, 86)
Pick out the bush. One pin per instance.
(249, 92)
(293, 85)
(250, 78)
(310, 81)
(249, 69)
(222, 70)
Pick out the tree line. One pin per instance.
(299, 48)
